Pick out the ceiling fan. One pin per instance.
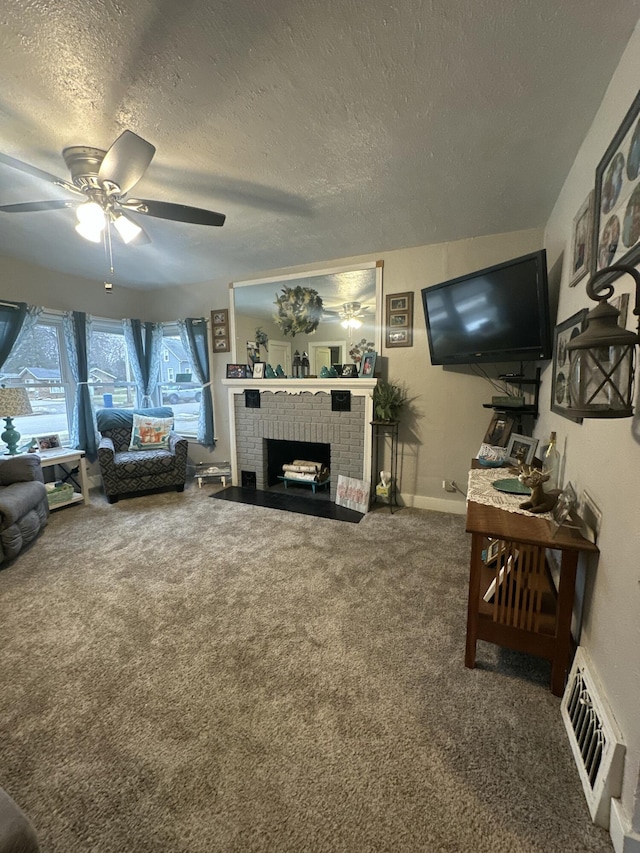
(351, 314)
(102, 179)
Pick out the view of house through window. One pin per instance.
(40, 365)
(37, 365)
(178, 385)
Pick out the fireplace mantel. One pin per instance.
(351, 431)
(357, 385)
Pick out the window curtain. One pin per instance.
(144, 344)
(16, 319)
(193, 334)
(77, 333)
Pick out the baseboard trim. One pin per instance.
(459, 506)
(623, 840)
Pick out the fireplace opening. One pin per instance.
(281, 453)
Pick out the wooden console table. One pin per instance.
(526, 612)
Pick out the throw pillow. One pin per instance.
(150, 433)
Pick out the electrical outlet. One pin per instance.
(449, 485)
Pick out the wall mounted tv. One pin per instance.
(493, 315)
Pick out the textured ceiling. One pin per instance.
(322, 128)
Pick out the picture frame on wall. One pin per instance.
(399, 319)
(220, 330)
(621, 302)
(564, 333)
(581, 240)
(616, 210)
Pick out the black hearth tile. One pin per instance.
(289, 503)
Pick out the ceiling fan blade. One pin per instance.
(38, 173)
(126, 161)
(175, 212)
(31, 206)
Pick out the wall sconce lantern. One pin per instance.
(601, 359)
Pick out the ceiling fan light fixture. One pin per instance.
(91, 215)
(89, 232)
(126, 228)
(351, 323)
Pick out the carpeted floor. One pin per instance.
(200, 676)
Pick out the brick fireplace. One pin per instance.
(300, 410)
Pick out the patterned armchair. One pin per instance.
(125, 471)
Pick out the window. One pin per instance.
(39, 365)
(177, 387)
(110, 375)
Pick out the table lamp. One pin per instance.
(14, 402)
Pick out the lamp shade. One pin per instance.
(14, 402)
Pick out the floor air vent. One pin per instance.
(594, 737)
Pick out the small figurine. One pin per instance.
(540, 501)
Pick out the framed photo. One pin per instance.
(616, 212)
(399, 328)
(368, 364)
(567, 501)
(397, 338)
(48, 442)
(220, 330)
(258, 370)
(563, 334)
(499, 430)
(582, 237)
(621, 302)
(236, 371)
(493, 551)
(521, 448)
(590, 517)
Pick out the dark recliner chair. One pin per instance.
(24, 509)
(17, 834)
(126, 471)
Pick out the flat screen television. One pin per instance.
(496, 314)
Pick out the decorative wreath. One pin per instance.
(299, 310)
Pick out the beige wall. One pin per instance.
(604, 457)
(51, 289)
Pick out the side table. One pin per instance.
(71, 463)
(385, 433)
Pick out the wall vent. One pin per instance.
(595, 740)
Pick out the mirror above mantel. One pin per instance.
(351, 312)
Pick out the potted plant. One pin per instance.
(388, 400)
